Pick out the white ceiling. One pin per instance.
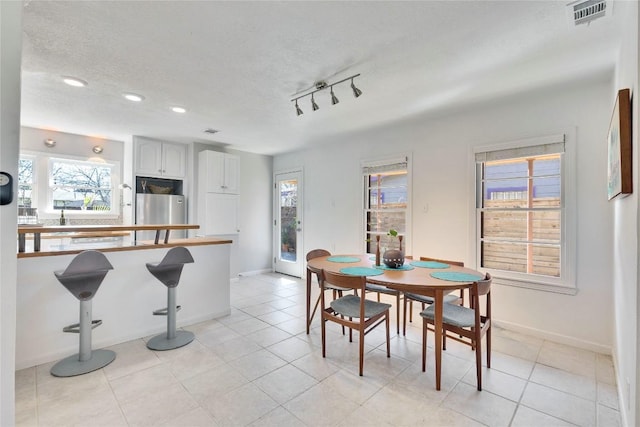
(236, 65)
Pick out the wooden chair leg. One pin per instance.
(410, 311)
(322, 328)
(488, 335)
(424, 345)
(404, 316)
(350, 331)
(340, 296)
(388, 345)
(398, 313)
(362, 349)
(313, 313)
(478, 361)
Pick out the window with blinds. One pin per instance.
(520, 218)
(386, 201)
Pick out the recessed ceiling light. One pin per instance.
(178, 110)
(72, 81)
(133, 97)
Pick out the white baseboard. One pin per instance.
(255, 272)
(552, 336)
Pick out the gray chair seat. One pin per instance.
(428, 300)
(456, 315)
(380, 288)
(349, 306)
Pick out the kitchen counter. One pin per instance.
(62, 239)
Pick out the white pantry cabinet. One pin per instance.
(160, 159)
(219, 172)
(218, 193)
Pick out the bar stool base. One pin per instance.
(161, 342)
(72, 366)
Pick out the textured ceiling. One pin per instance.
(236, 65)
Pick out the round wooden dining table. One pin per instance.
(417, 280)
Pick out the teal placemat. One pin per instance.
(404, 267)
(455, 276)
(361, 271)
(430, 264)
(343, 259)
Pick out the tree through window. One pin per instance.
(78, 185)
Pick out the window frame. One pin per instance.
(566, 283)
(43, 192)
(381, 162)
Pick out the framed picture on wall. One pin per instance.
(619, 147)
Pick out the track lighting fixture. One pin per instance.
(334, 99)
(321, 85)
(356, 92)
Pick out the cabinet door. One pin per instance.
(174, 158)
(148, 158)
(231, 174)
(220, 214)
(211, 171)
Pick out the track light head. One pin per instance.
(314, 106)
(334, 99)
(356, 92)
(298, 110)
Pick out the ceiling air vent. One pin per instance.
(211, 131)
(583, 12)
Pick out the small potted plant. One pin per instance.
(394, 258)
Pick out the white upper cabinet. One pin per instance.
(160, 159)
(219, 172)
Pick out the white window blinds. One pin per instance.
(548, 145)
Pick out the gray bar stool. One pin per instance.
(82, 278)
(168, 271)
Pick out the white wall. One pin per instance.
(251, 248)
(625, 234)
(10, 54)
(443, 181)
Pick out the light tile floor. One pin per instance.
(258, 367)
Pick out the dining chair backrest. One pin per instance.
(343, 280)
(317, 253)
(456, 263)
(483, 286)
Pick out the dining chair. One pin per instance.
(468, 325)
(337, 290)
(352, 311)
(381, 289)
(424, 300)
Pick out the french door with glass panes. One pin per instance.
(288, 247)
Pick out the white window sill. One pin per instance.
(537, 286)
(78, 215)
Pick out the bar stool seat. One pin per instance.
(168, 272)
(82, 278)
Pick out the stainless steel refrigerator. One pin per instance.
(160, 209)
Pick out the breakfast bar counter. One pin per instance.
(127, 297)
